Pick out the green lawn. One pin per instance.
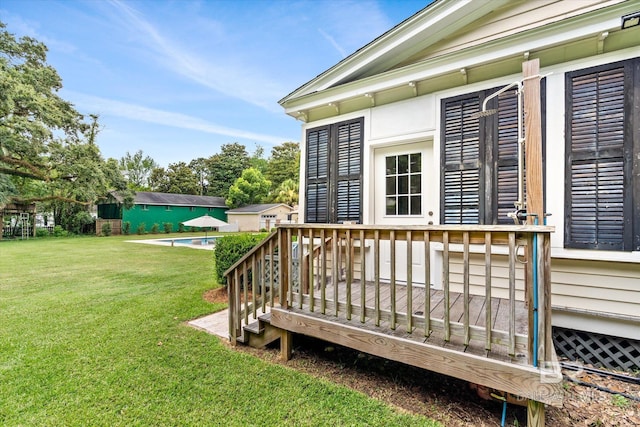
(92, 332)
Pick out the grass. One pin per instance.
(93, 333)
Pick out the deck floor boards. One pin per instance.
(477, 305)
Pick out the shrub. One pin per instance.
(230, 249)
(58, 231)
(154, 228)
(42, 232)
(168, 227)
(180, 228)
(106, 229)
(126, 228)
(141, 228)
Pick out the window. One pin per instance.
(480, 158)
(167, 208)
(403, 184)
(192, 208)
(269, 216)
(334, 173)
(602, 192)
(144, 207)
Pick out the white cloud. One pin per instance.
(103, 106)
(231, 79)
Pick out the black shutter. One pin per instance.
(317, 191)
(348, 173)
(460, 161)
(507, 162)
(334, 173)
(598, 202)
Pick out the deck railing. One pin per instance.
(390, 276)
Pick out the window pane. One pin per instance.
(403, 205)
(391, 165)
(391, 205)
(391, 185)
(403, 185)
(416, 163)
(403, 164)
(416, 205)
(416, 184)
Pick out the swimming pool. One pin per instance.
(192, 241)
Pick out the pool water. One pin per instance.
(192, 241)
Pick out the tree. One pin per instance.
(48, 153)
(257, 159)
(136, 169)
(287, 192)
(225, 167)
(158, 180)
(181, 179)
(32, 115)
(252, 187)
(200, 169)
(87, 177)
(284, 163)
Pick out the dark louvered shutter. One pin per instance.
(334, 173)
(596, 170)
(317, 191)
(461, 162)
(507, 162)
(348, 181)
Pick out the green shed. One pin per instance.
(158, 208)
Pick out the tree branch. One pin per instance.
(34, 172)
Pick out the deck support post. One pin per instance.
(535, 203)
(535, 414)
(286, 339)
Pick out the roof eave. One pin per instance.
(432, 24)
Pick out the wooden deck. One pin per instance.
(463, 329)
(498, 313)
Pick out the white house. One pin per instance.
(389, 137)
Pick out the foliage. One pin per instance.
(230, 249)
(158, 180)
(168, 227)
(178, 178)
(58, 231)
(126, 228)
(154, 228)
(288, 192)
(141, 228)
(42, 232)
(106, 229)
(225, 167)
(180, 228)
(108, 346)
(252, 187)
(200, 170)
(136, 169)
(181, 179)
(284, 163)
(257, 159)
(46, 149)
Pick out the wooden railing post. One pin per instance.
(284, 243)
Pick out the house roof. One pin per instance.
(255, 209)
(151, 198)
(453, 42)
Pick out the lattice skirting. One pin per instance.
(596, 349)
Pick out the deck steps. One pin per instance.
(260, 333)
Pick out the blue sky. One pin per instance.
(177, 79)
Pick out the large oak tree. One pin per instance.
(48, 153)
